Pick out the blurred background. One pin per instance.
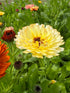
(13, 0)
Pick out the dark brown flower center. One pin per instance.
(37, 39)
(34, 9)
(8, 33)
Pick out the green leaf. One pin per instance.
(52, 88)
(68, 66)
(32, 77)
(44, 86)
(67, 44)
(52, 71)
(68, 23)
(32, 59)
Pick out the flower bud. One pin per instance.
(18, 65)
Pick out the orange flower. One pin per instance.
(35, 8)
(9, 34)
(4, 64)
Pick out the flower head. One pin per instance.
(4, 64)
(40, 40)
(29, 6)
(18, 64)
(39, 1)
(1, 24)
(1, 13)
(38, 89)
(0, 3)
(35, 8)
(53, 81)
(22, 8)
(17, 10)
(9, 34)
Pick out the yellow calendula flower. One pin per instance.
(1, 23)
(39, 1)
(40, 40)
(1, 13)
(53, 81)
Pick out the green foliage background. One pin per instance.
(37, 71)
